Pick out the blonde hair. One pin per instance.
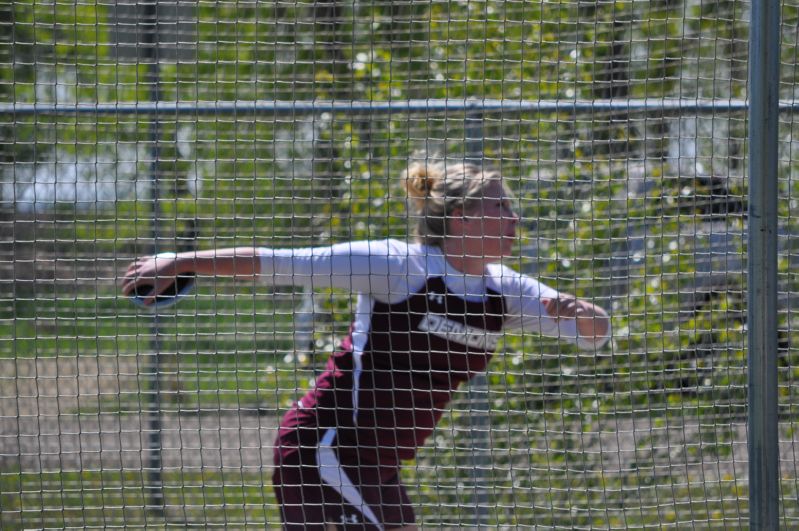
(438, 188)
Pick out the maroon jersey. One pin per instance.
(386, 399)
(420, 329)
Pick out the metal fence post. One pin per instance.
(154, 488)
(763, 444)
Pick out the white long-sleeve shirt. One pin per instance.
(391, 270)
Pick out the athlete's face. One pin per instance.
(489, 228)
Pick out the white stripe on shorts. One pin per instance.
(331, 473)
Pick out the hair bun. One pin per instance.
(420, 180)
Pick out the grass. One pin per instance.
(112, 498)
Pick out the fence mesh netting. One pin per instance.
(132, 127)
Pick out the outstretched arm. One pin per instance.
(160, 271)
(379, 268)
(534, 307)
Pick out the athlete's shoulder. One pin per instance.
(509, 282)
(393, 250)
(399, 247)
(404, 265)
(403, 247)
(420, 259)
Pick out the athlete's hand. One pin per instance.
(567, 306)
(149, 276)
(592, 321)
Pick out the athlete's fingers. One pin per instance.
(564, 306)
(129, 284)
(134, 274)
(550, 306)
(568, 307)
(553, 306)
(159, 286)
(136, 266)
(128, 280)
(150, 271)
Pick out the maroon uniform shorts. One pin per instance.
(317, 483)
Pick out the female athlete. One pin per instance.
(429, 316)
